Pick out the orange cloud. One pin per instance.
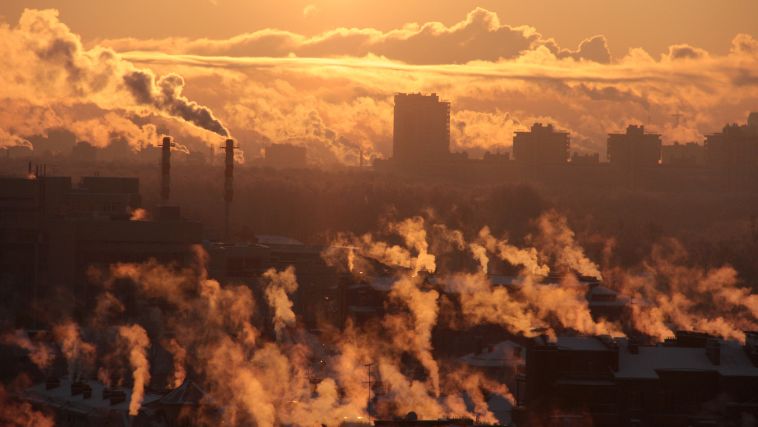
(480, 36)
(334, 94)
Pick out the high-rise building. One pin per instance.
(421, 128)
(634, 148)
(541, 145)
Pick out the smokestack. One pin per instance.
(166, 169)
(228, 184)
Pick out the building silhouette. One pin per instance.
(53, 231)
(585, 159)
(634, 148)
(600, 381)
(421, 128)
(690, 154)
(542, 144)
(735, 147)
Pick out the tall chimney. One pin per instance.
(166, 169)
(228, 184)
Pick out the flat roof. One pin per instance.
(649, 360)
(581, 343)
(61, 397)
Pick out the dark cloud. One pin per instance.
(684, 51)
(745, 78)
(166, 95)
(611, 93)
(47, 59)
(594, 49)
(479, 37)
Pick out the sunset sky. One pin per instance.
(322, 73)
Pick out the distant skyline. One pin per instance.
(323, 74)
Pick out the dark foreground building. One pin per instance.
(691, 380)
(53, 231)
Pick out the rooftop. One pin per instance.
(649, 360)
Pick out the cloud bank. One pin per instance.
(332, 92)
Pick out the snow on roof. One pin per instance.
(501, 354)
(61, 397)
(189, 393)
(581, 343)
(649, 360)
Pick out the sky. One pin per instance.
(323, 73)
(649, 24)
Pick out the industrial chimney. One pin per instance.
(166, 169)
(228, 184)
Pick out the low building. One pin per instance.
(692, 379)
(88, 403)
(690, 154)
(318, 295)
(578, 159)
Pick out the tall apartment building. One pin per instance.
(421, 128)
(735, 147)
(634, 148)
(542, 144)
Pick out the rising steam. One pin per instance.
(306, 380)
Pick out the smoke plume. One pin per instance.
(137, 343)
